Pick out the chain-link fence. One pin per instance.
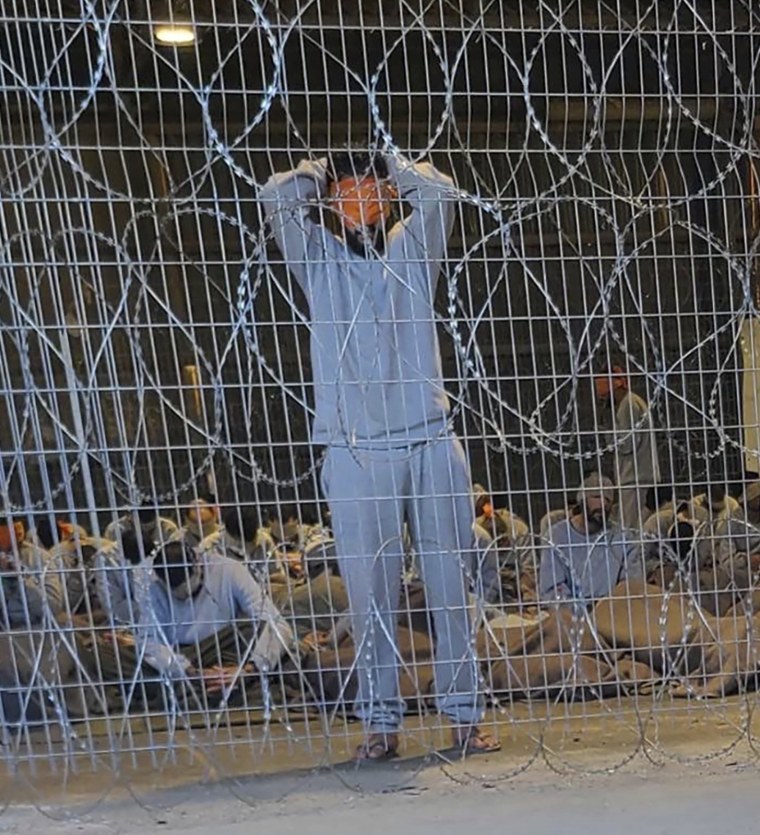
(235, 510)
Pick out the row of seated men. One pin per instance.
(221, 599)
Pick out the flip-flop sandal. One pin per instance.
(377, 750)
(477, 743)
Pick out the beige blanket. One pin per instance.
(635, 638)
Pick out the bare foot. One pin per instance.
(474, 740)
(377, 748)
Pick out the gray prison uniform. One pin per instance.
(114, 585)
(581, 567)
(637, 463)
(72, 561)
(229, 596)
(21, 603)
(381, 408)
(44, 574)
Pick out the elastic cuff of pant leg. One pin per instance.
(385, 725)
(465, 715)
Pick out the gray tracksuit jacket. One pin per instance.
(229, 595)
(585, 567)
(374, 347)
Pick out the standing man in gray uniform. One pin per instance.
(382, 411)
(637, 464)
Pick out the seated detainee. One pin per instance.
(316, 598)
(300, 572)
(287, 527)
(293, 531)
(587, 557)
(319, 553)
(292, 536)
(200, 520)
(203, 613)
(716, 517)
(37, 670)
(21, 602)
(503, 526)
(483, 571)
(40, 569)
(714, 586)
(72, 549)
(711, 507)
(31, 550)
(145, 522)
(242, 537)
(496, 534)
(720, 517)
(715, 508)
(51, 533)
(114, 572)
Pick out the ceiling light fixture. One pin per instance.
(173, 25)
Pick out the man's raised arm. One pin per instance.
(287, 199)
(432, 195)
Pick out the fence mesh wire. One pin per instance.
(158, 352)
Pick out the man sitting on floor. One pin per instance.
(500, 524)
(44, 569)
(70, 550)
(203, 611)
(503, 566)
(718, 521)
(37, 671)
(586, 557)
(314, 599)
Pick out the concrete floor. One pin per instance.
(689, 769)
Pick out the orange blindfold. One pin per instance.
(65, 529)
(203, 514)
(609, 382)
(6, 536)
(362, 202)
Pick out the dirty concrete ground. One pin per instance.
(681, 768)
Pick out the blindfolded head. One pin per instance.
(362, 202)
(359, 192)
(177, 565)
(609, 382)
(11, 534)
(202, 517)
(681, 539)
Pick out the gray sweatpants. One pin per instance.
(371, 494)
